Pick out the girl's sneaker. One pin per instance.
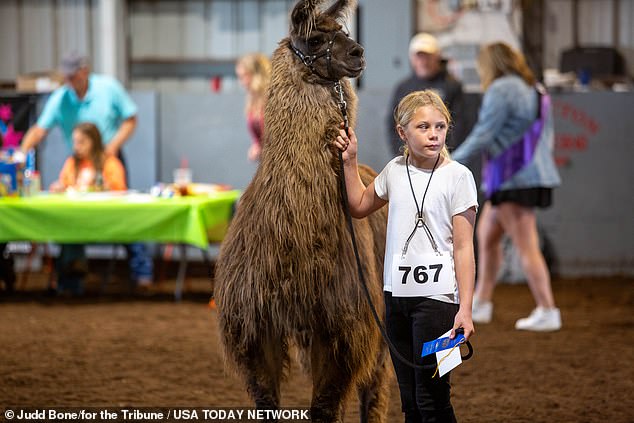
(482, 311)
(541, 320)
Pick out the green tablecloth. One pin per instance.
(120, 218)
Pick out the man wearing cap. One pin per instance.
(101, 100)
(429, 72)
(86, 97)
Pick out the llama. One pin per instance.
(286, 275)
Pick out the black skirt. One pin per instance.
(527, 197)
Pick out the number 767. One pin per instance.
(420, 273)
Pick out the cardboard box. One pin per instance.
(39, 82)
(8, 179)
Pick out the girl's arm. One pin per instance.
(113, 175)
(362, 200)
(66, 177)
(464, 262)
(492, 116)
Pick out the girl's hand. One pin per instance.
(56, 186)
(110, 150)
(463, 320)
(347, 144)
(254, 152)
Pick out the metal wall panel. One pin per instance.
(142, 29)
(9, 40)
(73, 28)
(34, 34)
(194, 28)
(249, 28)
(274, 23)
(37, 35)
(595, 22)
(222, 35)
(626, 33)
(168, 29)
(95, 29)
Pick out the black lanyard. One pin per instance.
(420, 220)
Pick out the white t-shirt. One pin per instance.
(452, 191)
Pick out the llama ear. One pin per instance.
(342, 8)
(303, 13)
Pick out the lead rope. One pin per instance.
(420, 220)
(346, 207)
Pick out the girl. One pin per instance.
(433, 202)
(513, 119)
(89, 168)
(254, 73)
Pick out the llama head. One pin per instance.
(318, 39)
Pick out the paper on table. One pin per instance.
(94, 196)
(448, 361)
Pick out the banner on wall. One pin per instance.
(17, 114)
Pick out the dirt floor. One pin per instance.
(121, 349)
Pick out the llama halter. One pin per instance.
(309, 59)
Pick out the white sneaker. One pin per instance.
(541, 320)
(482, 311)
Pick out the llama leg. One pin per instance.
(264, 368)
(374, 393)
(332, 380)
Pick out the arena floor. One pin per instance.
(120, 349)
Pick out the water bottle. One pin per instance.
(29, 169)
(36, 183)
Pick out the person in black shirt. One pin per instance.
(429, 72)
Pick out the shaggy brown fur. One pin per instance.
(286, 274)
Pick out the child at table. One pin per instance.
(88, 169)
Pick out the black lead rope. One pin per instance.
(346, 208)
(420, 220)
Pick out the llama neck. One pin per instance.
(301, 120)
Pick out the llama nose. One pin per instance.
(356, 51)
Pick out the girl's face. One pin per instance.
(425, 136)
(82, 144)
(244, 77)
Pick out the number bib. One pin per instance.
(423, 275)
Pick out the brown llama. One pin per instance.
(286, 275)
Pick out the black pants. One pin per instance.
(7, 273)
(410, 322)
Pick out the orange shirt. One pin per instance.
(113, 175)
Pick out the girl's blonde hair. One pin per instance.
(97, 155)
(259, 67)
(499, 59)
(407, 107)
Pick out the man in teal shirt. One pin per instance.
(86, 97)
(102, 100)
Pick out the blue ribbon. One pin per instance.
(440, 344)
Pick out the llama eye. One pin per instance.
(314, 41)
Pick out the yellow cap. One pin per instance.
(425, 43)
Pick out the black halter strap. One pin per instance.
(309, 59)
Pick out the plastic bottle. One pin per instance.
(36, 183)
(182, 176)
(29, 169)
